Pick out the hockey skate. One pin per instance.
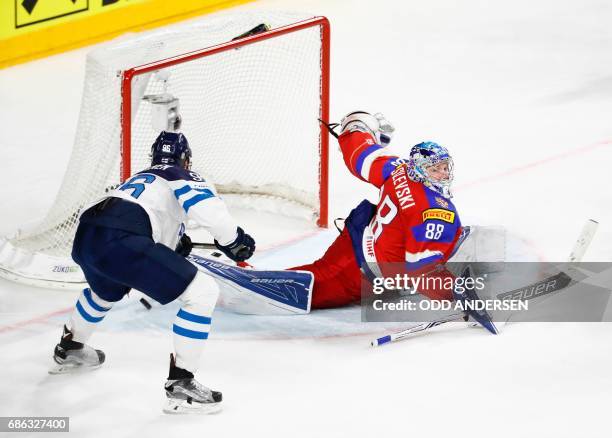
(187, 396)
(73, 357)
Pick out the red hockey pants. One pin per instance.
(337, 277)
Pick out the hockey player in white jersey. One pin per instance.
(134, 238)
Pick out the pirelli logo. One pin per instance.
(439, 214)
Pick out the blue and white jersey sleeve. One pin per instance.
(201, 204)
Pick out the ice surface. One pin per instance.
(521, 92)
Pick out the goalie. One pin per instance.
(414, 222)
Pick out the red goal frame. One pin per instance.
(129, 74)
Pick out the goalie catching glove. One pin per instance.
(376, 125)
(240, 249)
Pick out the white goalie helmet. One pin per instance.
(432, 165)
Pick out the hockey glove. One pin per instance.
(376, 125)
(240, 249)
(184, 246)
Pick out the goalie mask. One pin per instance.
(432, 165)
(171, 148)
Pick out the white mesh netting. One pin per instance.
(250, 115)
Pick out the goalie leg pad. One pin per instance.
(254, 292)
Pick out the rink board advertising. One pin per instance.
(32, 29)
(508, 291)
(29, 12)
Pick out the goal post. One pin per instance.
(316, 22)
(250, 108)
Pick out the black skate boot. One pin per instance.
(186, 395)
(72, 356)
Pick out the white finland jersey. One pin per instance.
(170, 195)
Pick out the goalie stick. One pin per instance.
(330, 127)
(561, 281)
(417, 328)
(584, 240)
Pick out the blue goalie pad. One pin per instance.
(252, 291)
(469, 295)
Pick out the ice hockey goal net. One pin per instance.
(249, 107)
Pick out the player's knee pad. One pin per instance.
(203, 291)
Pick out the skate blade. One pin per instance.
(72, 368)
(182, 407)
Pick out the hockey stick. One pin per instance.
(584, 240)
(202, 245)
(330, 127)
(561, 280)
(260, 28)
(417, 328)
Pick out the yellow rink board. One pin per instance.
(31, 29)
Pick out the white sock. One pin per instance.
(89, 311)
(192, 323)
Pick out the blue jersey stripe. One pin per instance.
(92, 303)
(388, 168)
(364, 155)
(193, 317)
(86, 316)
(189, 333)
(411, 266)
(181, 191)
(197, 198)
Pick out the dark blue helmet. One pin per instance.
(171, 148)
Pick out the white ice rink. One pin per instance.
(520, 92)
